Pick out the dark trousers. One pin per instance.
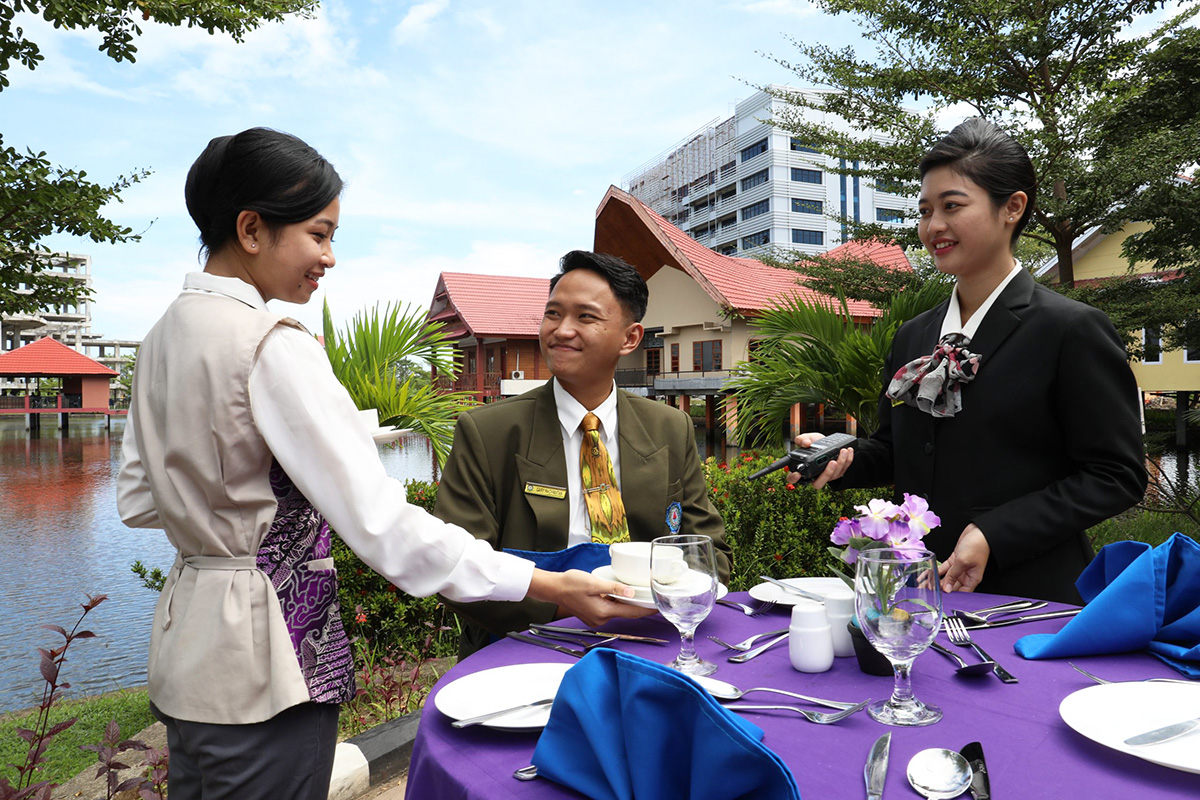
(288, 757)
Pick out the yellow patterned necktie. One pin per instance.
(600, 491)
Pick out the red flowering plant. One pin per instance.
(881, 523)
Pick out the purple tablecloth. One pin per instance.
(1031, 752)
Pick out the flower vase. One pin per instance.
(870, 660)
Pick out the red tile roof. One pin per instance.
(493, 305)
(748, 285)
(48, 358)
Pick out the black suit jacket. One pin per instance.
(1048, 442)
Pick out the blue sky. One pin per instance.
(474, 136)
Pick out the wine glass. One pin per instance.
(683, 579)
(899, 606)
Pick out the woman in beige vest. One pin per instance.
(243, 447)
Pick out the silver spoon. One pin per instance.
(727, 691)
(939, 774)
(980, 668)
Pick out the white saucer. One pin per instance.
(606, 573)
(769, 592)
(648, 602)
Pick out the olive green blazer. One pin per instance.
(502, 449)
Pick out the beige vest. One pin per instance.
(220, 650)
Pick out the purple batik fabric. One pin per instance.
(308, 591)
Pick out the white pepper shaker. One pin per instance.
(839, 610)
(810, 643)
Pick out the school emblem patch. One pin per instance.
(674, 517)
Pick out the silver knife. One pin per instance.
(466, 723)
(788, 587)
(876, 769)
(625, 637)
(1000, 623)
(522, 637)
(981, 785)
(1159, 735)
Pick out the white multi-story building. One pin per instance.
(70, 324)
(742, 184)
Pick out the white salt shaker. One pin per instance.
(839, 610)
(810, 643)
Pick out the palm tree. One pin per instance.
(813, 352)
(373, 359)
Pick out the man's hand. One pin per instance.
(833, 470)
(963, 570)
(578, 594)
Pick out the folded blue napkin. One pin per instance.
(1137, 598)
(587, 557)
(624, 728)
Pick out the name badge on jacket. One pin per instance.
(544, 490)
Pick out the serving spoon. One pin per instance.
(979, 668)
(939, 774)
(727, 691)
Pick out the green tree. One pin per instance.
(374, 360)
(1054, 73)
(855, 278)
(813, 352)
(39, 199)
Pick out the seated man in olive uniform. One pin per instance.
(515, 475)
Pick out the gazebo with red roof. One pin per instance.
(85, 382)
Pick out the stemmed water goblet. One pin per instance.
(683, 579)
(899, 606)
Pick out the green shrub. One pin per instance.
(774, 528)
(393, 619)
(1139, 525)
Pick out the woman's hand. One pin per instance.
(833, 470)
(578, 594)
(963, 570)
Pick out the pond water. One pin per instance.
(61, 539)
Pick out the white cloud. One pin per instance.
(416, 23)
(787, 8)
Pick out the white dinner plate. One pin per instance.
(769, 592)
(503, 687)
(1111, 713)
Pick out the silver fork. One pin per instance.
(983, 614)
(748, 643)
(819, 717)
(749, 611)
(1100, 680)
(960, 636)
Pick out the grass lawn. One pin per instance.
(130, 708)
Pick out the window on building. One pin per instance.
(728, 170)
(653, 360)
(807, 206)
(800, 236)
(756, 239)
(727, 249)
(758, 148)
(755, 209)
(757, 179)
(675, 357)
(706, 355)
(1191, 352)
(683, 191)
(889, 215)
(1152, 345)
(729, 195)
(728, 222)
(806, 175)
(800, 146)
(888, 186)
(683, 215)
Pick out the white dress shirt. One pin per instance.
(570, 416)
(952, 323)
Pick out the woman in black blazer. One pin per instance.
(1011, 408)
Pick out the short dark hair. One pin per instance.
(985, 154)
(262, 170)
(626, 283)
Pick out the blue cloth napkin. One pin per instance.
(587, 557)
(624, 728)
(1137, 598)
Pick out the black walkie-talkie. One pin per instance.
(810, 461)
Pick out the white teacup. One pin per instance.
(631, 563)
